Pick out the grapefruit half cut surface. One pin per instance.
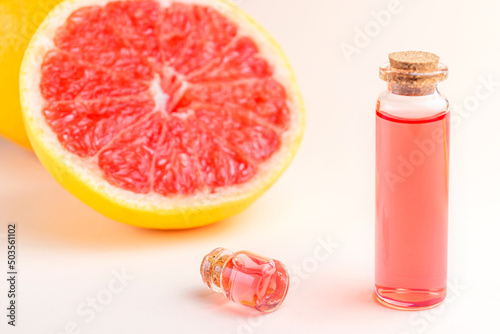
(160, 114)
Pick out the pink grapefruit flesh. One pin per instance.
(167, 100)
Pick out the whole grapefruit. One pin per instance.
(18, 22)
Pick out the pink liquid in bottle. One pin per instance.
(412, 210)
(246, 278)
(412, 164)
(255, 281)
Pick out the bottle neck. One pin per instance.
(212, 266)
(411, 88)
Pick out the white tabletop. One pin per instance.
(70, 255)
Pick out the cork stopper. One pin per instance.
(212, 266)
(414, 61)
(413, 72)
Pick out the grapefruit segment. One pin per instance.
(191, 36)
(91, 37)
(127, 162)
(240, 60)
(160, 109)
(176, 168)
(85, 127)
(265, 99)
(64, 78)
(136, 23)
(220, 165)
(254, 141)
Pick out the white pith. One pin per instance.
(90, 173)
(161, 99)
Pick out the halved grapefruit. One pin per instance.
(161, 114)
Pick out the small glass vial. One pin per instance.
(246, 278)
(412, 163)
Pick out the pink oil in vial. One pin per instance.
(412, 164)
(411, 209)
(254, 281)
(246, 278)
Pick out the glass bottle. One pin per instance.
(412, 163)
(246, 278)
